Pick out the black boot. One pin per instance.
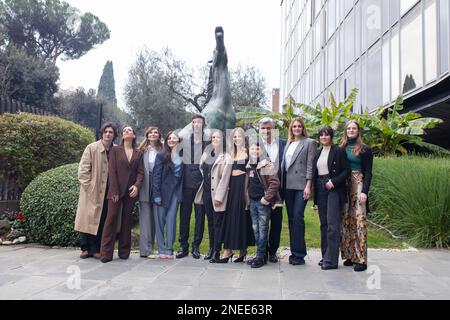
(210, 255)
(216, 257)
(195, 253)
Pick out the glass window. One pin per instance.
(331, 17)
(385, 15)
(444, 35)
(349, 82)
(358, 29)
(348, 5)
(394, 13)
(395, 64)
(430, 41)
(358, 103)
(349, 45)
(374, 77)
(405, 5)
(371, 18)
(411, 51)
(331, 61)
(317, 37)
(363, 91)
(386, 71)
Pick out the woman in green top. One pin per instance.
(354, 225)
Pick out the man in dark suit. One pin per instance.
(193, 148)
(273, 148)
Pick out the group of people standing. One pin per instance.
(238, 184)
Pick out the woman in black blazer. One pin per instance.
(331, 169)
(354, 225)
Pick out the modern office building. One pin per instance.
(382, 47)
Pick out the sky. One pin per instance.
(251, 28)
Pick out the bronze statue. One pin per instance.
(219, 112)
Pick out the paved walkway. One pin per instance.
(35, 272)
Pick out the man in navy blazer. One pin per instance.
(273, 148)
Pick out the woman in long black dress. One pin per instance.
(235, 221)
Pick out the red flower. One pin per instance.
(20, 216)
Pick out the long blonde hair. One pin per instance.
(304, 131)
(232, 150)
(359, 145)
(146, 142)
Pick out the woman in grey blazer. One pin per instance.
(150, 147)
(297, 177)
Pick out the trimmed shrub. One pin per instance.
(49, 206)
(32, 144)
(411, 196)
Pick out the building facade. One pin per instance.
(385, 48)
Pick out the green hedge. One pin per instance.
(411, 197)
(32, 144)
(49, 205)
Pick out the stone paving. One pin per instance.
(36, 272)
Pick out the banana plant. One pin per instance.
(390, 133)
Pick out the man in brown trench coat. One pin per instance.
(92, 203)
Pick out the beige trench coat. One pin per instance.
(220, 179)
(93, 177)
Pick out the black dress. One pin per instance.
(235, 235)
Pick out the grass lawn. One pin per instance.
(377, 238)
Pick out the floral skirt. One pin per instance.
(354, 224)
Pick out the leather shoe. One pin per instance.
(210, 255)
(257, 263)
(348, 263)
(195, 253)
(329, 267)
(124, 258)
(360, 267)
(320, 263)
(85, 254)
(97, 256)
(298, 262)
(273, 258)
(105, 260)
(182, 254)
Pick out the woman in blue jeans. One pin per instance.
(297, 178)
(167, 193)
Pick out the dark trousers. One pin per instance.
(210, 213)
(123, 207)
(276, 222)
(330, 221)
(295, 205)
(90, 242)
(185, 220)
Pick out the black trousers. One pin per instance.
(92, 243)
(185, 220)
(209, 209)
(276, 222)
(295, 205)
(330, 221)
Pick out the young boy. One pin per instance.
(263, 184)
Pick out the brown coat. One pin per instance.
(124, 174)
(93, 176)
(220, 179)
(268, 177)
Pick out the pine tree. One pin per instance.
(106, 86)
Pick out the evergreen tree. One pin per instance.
(106, 87)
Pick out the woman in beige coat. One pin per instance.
(92, 202)
(215, 166)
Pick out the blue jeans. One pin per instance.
(295, 205)
(260, 221)
(166, 217)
